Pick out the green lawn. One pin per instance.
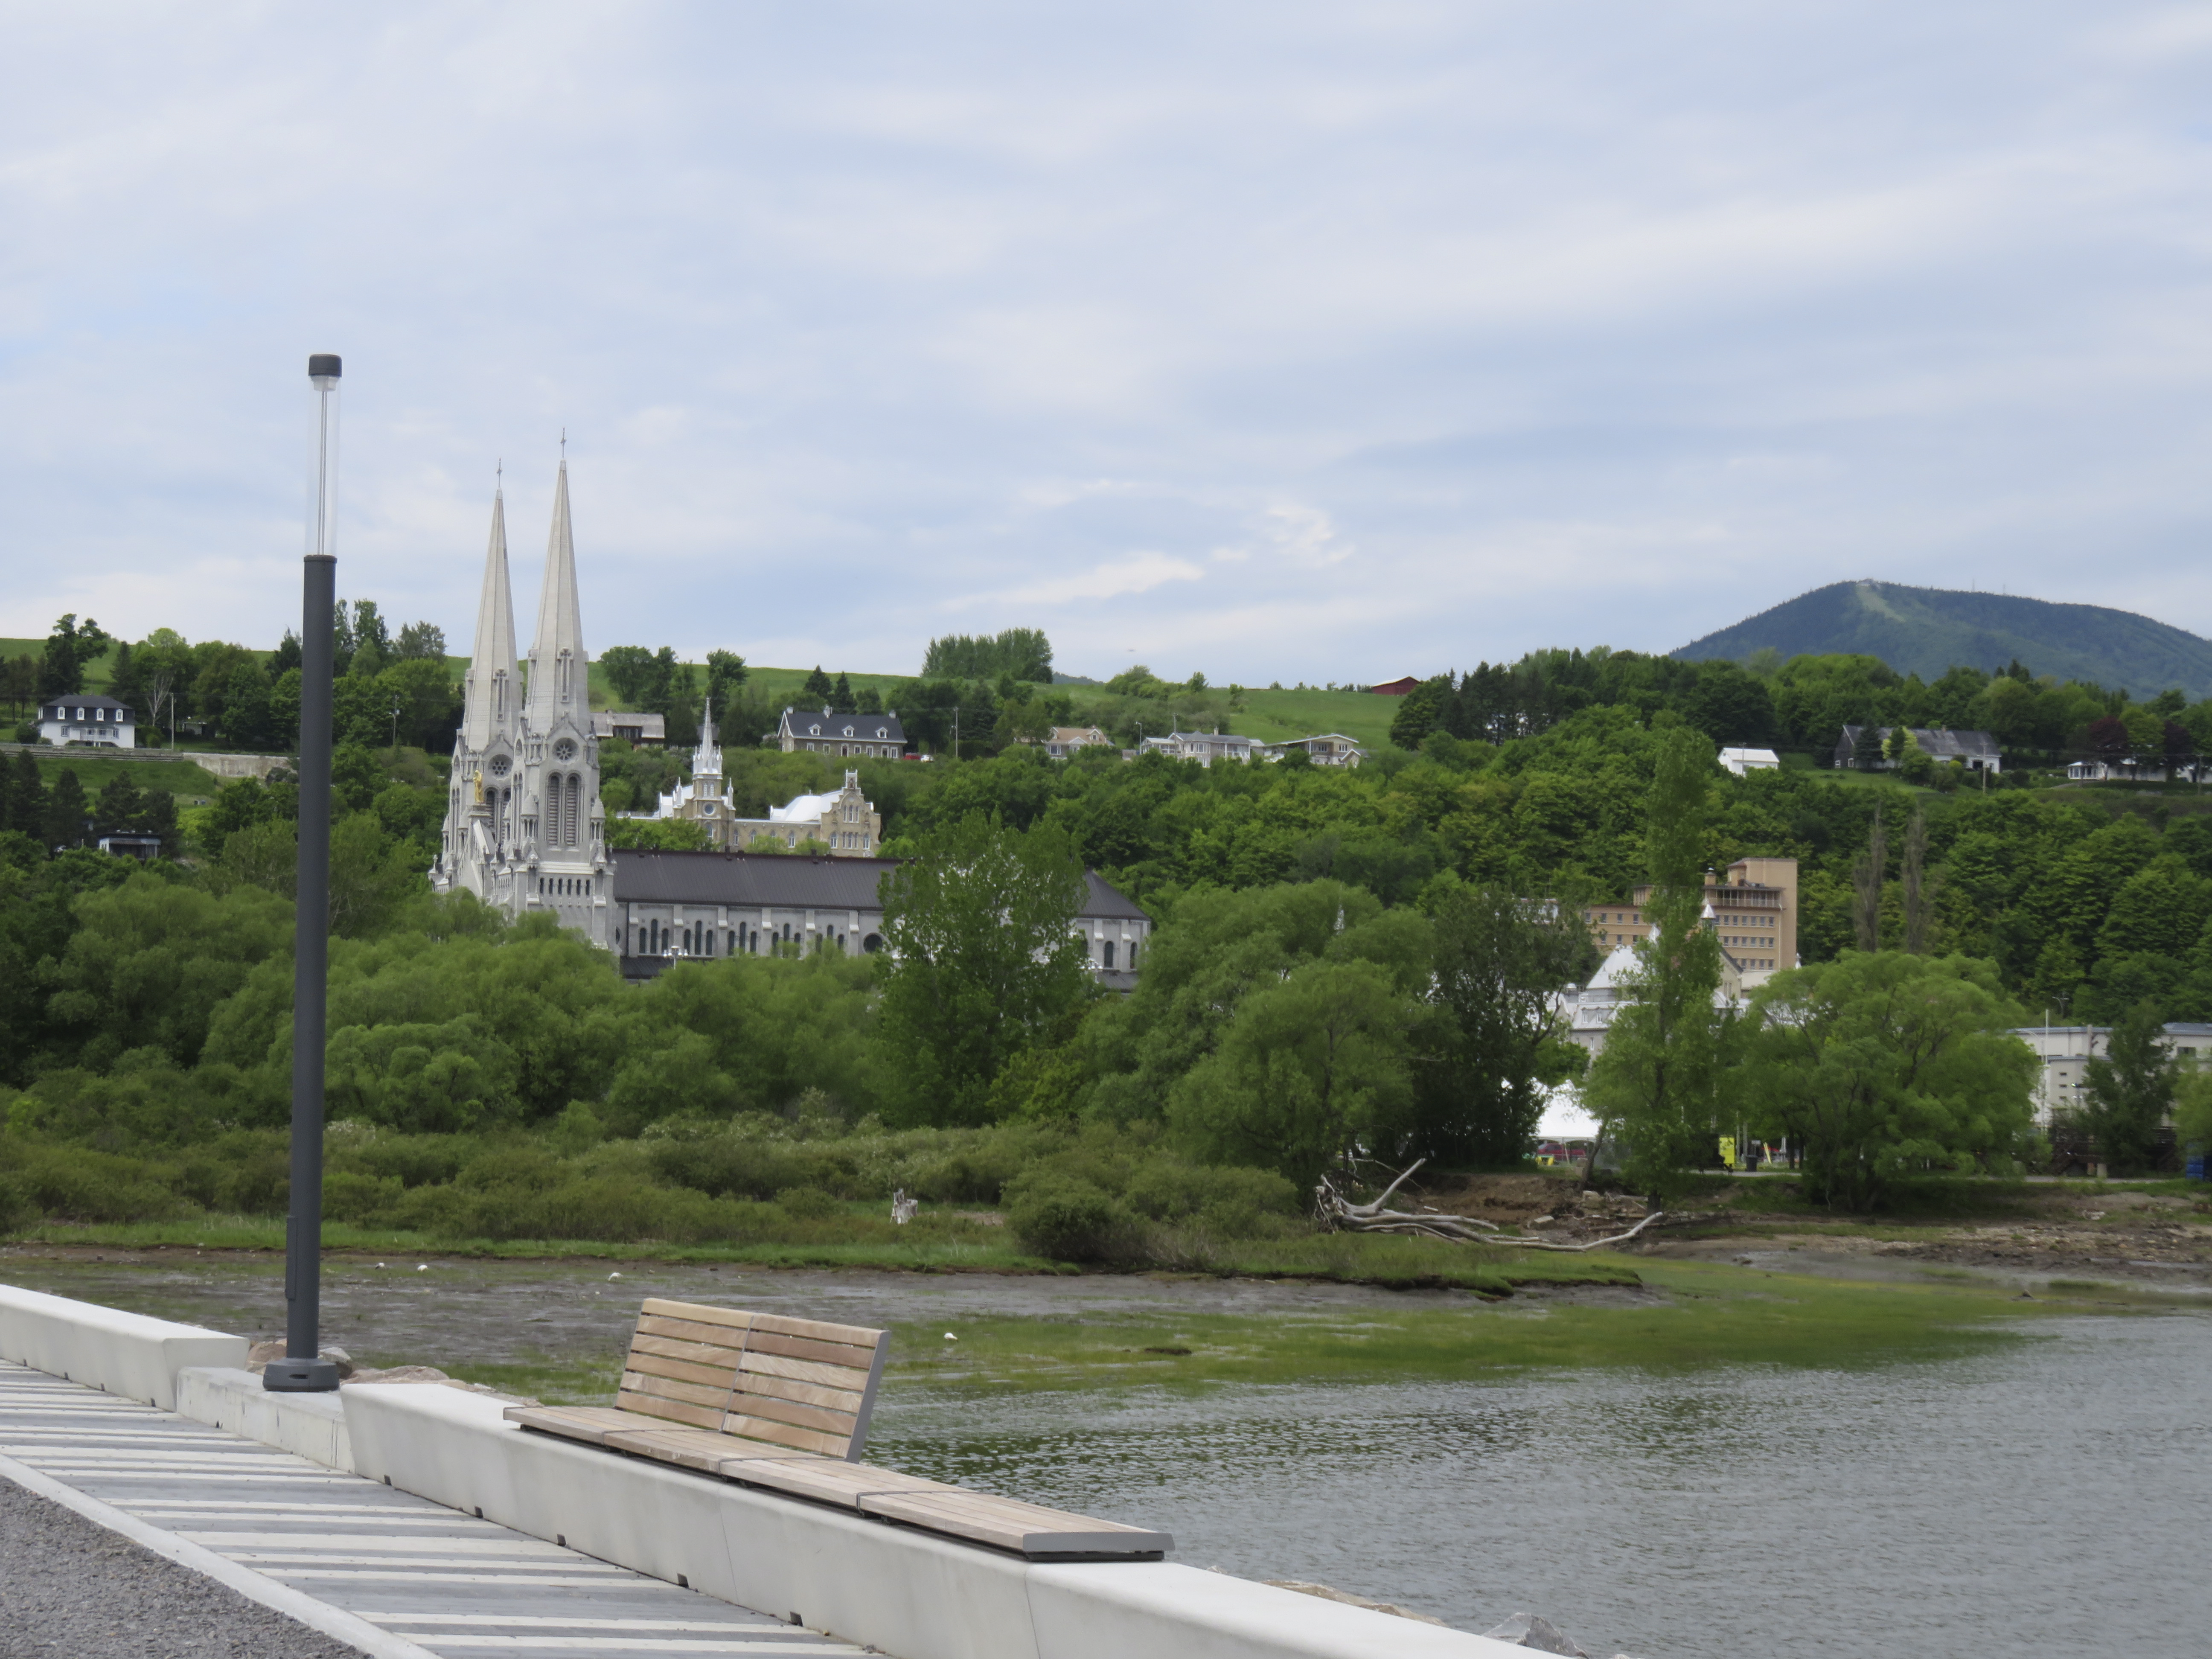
(181, 778)
(1275, 715)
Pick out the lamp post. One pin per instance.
(303, 1370)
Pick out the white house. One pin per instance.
(98, 720)
(1324, 748)
(1741, 761)
(1065, 740)
(2064, 1052)
(1204, 747)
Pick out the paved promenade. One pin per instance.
(425, 1579)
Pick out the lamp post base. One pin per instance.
(300, 1377)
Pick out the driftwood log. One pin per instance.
(1340, 1214)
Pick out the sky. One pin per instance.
(1276, 341)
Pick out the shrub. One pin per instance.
(807, 1204)
(16, 1208)
(1068, 1218)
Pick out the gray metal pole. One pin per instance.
(302, 1370)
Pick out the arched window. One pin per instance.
(1109, 958)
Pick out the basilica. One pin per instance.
(524, 828)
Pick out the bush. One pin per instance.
(1068, 1218)
(16, 1208)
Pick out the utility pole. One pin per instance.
(303, 1370)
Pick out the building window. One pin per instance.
(1108, 950)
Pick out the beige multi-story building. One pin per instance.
(1752, 910)
(843, 820)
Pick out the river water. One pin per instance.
(2048, 1496)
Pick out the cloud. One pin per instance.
(1140, 573)
(1432, 333)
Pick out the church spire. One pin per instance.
(493, 685)
(557, 662)
(707, 758)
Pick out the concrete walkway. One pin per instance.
(399, 1575)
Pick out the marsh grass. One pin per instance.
(1700, 1316)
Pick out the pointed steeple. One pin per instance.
(557, 662)
(493, 685)
(707, 758)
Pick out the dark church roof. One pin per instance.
(785, 881)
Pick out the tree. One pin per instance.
(119, 806)
(1867, 874)
(421, 642)
(1420, 712)
(726, 674)
(1866, 747)
(245, 723)
(1480, 1067)
(2192, 1108)
(841, 696)
(2130, 1089)
(983, 960)
(1917, 908)
(817, 688)
(66, 812)
(125, 682)
(1309, 1070)
(629, 671)
(1880, 1063)
(1023, 652)
(1656, 1085)
(26, 798)
(68, 648)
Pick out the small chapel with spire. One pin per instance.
(524, 828)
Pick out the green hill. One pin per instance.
(1925, 630)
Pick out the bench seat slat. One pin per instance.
(846, 1400)
(667, 1388)
(699, 1353)
(692, 1330)
(691, 1448)
(1009, 1524)
(674, 1411)
(699, 1312)
(589, 1423)
(682, 1370)
(786, 1434)
(750, 1404)
(857, 1336)
(805, 1370)
(826, 1480)
(857, 1355)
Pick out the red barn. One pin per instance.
(1395, 689)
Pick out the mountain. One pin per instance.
(1925, 630)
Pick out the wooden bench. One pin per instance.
(783, 1404)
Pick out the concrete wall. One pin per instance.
(124, 1353)
(909, 1593)
(905, 1592)
(312, 1425)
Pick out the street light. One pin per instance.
(303, 1370)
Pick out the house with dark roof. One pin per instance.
(869, 736)
(670, 907)
(632, 727)
(1977, 752)
(84, 718)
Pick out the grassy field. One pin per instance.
(182, 779)
(1275, 715)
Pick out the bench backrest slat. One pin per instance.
(803, 1383)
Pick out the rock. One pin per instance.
(1527, 1630)
(1326, 1593)
(259, 1356)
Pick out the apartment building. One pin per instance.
(1752, 907)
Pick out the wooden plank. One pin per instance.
(688, 1330)
(1009, 1524)
(825, 1480)
(699, 1353)
(846, 1400)
(666, 1388)
(691, 1448)
(858, 1357)
(850, 1378)
(786, 1434)
(791, 1411)
(682, 1370)
(589, 1423)
(858, 1336)
(698, 1312)
(676, 1411)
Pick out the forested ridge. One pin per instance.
(1345, 958)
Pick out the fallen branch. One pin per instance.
(1338, 1214)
